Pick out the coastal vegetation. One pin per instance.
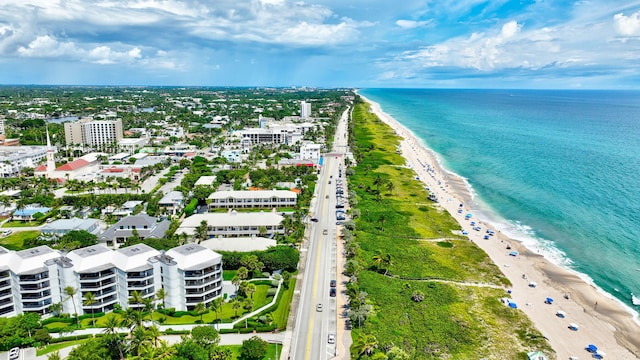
(418, 288)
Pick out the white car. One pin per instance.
(319, 307)
(332, 339)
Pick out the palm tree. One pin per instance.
(135, 298)
(161, 294)
(71, 292)
(111, 330)
(56, 308)
(382, 261)
(148, 306)
(417, 296)
(236, 304)
(200, 309)
(242, 272)
(216, 306)
(153, 334)
(389, 186)
(90, 299)
(236, 281)
(249, 290)
(366, 344)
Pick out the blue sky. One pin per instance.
(323, 43)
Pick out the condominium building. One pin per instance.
(93, 132)
(252, 199)
(235, 224)
(32, 280)
(305, 110)
(310, 151)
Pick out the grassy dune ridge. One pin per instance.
(460, 316)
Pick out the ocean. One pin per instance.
(556, 169)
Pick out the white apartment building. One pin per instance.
(310, 151)
(32, 280)
(235, 224)
(240, 199)
(14, 158)
(93, 132)
(305, 110)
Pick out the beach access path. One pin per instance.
(602, 320)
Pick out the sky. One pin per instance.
(530, 44)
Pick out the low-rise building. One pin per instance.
(60, 227)
(235, 224)
(172, 202)
(252, 199)
(144, 225)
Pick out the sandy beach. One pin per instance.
(601, 319)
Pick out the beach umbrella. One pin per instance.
(533, 284)
(513, 305)
(549, 300)
(573, 326)
(602, 354)
(592, 348)
(513, 253)
(561, 314)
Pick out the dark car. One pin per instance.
(333, 283)
(332, 292)
(314, 219)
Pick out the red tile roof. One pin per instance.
(40, 168)
(74, 165)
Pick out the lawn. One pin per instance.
(227, 313)
(454, 320)
(58, 346)
(15, 241)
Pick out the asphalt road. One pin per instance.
(313, 325)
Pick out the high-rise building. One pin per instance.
(305, 110)
(93, 132)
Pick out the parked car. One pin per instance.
(332, 292)
(332, 339)
(314, 219)
(333, 283)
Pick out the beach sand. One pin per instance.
(602, 320)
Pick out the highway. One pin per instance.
(310, 339)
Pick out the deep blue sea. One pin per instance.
(557, 169)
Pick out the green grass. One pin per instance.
(271, 351)
(281, 314)
(454, 320)
(57, 347)
(20, 224)
(227, 314)
(15, 241)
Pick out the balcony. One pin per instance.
(6, 301)
(36, 277)
(203, 290)
(97, 275)
(140, 275)
(36, 296)
(203, 272)
(97, 285)
(36, 305)
(4, 283)
(201, 282)
(34, 287)
(204, 299)
(5, 292)
(139, 284)
(4, 311)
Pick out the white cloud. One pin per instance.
(412, 24)
(627, 25)
(46, 46)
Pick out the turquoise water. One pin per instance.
(559, 170)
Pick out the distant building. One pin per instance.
(172, 202)
(94, 133)
(27, 213)
(15, 158)
(131, 145)
(206, 180)
(310, 151)
(305, 110)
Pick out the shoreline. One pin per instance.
(603, 320)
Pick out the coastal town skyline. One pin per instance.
(327, 43)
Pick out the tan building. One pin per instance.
(93, 132)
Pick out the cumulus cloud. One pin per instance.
(46, 46)
(627, 25)
(412, 24)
